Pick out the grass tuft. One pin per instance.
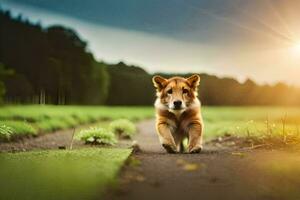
(5, 132)
(96, 135)
(123, 128)
(15, 129)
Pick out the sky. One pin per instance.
(257, 39)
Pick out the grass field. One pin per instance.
(242, 121)
(250, 121)
(34, 119)
(61, 174)
(84, 173)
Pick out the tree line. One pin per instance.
(53, 66)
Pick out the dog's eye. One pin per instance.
(169, 91)
(185, 91)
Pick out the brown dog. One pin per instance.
(178, 113)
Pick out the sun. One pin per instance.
(296, 48)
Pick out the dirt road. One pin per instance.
(214, 174)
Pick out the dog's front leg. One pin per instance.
(166, 138)
(195, 138)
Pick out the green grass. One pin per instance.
(64, 174)
(82, 114)
(5, 132)
(123, 127)
(53, 124)
(97, 135)
(260, 113)
(48, 118)
(15, 129)
(251, 121)
(218, 120)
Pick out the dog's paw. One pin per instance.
(169, 148)
(197, 149)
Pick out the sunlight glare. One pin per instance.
(296, 49)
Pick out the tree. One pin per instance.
(3, 73)
(129, 85)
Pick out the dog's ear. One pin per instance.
(159, 82)
(194, 81)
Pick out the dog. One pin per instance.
(178, 113)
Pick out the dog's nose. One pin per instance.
(177, 104)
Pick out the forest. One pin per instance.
(54, 66)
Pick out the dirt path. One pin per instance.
(214, 174)
(57, 140)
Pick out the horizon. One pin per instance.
(135, 46)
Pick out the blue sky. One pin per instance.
(238, 38)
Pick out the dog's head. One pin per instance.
(176, 93)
